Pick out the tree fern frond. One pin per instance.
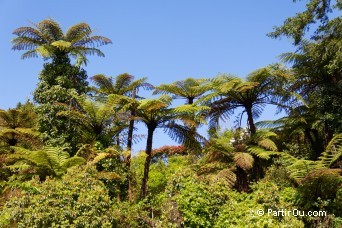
(268, 144)
(300, 168)
(211, 168)
(100, 157)
(272, 124)
(61, 44)
(51, 29)
(29, 54)
(45, 51)
(243, 160)
(92, 42)
(190, 108)
(184, 136)
(73, 161)
(28, 32)
(103, 83)
(25, 43)
(290, 57)
(229, 176)
(333, 152)
(155, 104)
(78, 32)
(261, 152)
(56, 154)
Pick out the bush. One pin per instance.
(241, 208)
(319, 189)
(192, 202)
(77, 200)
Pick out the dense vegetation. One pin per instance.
(65, 159)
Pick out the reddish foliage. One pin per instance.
(169, 151)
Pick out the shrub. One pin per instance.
(77, 200)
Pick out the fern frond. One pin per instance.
(227, 175)
(333, 152)
(244, 160)
(100, 157)
(211, 168)
(262, 153)
(73, 161)
(268, 144)
(61, 45)
(300, 168)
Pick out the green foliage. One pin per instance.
(241, 208)
(296, 27)
(316, 62)
(18, 127)
(50, 161)
(60, 83)
(113, 173)
(177, 187)
(263, 86)
(189, 89)
(47, 39)
(77, 200)
(326, 183)
(198, 203)
(134, 215)
(95, 121)
(331, 157)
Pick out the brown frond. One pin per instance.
(244, 160)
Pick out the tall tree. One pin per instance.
(191, 90)
(156, 113)
(188, 89)
(59, 79)
(48, 40)
(123, 84)
(317, 61)
(263, 86)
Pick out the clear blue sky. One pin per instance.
(162, 40)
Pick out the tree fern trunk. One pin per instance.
(129, 147)
(241, 180)
(252, 127)
(148, 151)
(128, 161)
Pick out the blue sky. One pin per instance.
(165, 41)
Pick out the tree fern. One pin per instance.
(330, 158)
(47, 39)
(53, 159)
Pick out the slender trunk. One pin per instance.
(129, 147)
(257, 170)
(128, 160)
(148, 151)
(314, 142)
(252, 127)
(241, 180)
(195, 147)
(257, 167)
(190, 100)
